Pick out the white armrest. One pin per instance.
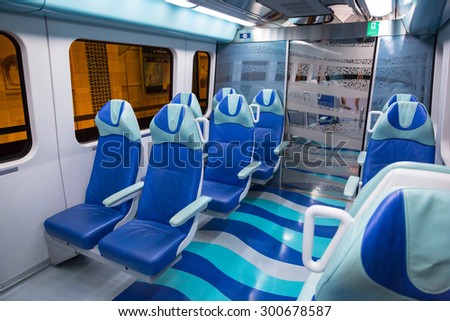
(362, 157)
(280, 148)
(369, 120)
(190, 211)
(123, 195)
(256, 111)
(351, 186)
(308, 234)
(248, 170)
(204, 135)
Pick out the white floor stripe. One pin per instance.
(278, 199)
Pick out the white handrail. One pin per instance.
(369, 120)
(204, 135)
(308, 234)
(255, 114)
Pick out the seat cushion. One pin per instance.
(224, 197)
(144, 246)
(83, 225)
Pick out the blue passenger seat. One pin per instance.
(403, 133)
(230, 155)
(166, 218)
(390, 244)
(115, 167)
(269, 131)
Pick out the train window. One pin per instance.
(15, 134)
(101, 71)
(200, 78)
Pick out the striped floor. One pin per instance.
(255, 254)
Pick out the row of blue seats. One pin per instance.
(178, 184)
(233, 122)
(390, 244)
(269, 127)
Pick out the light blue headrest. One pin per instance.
(233, 109)
(221, 94)
(190, 100)
(117, 117)
(406, 120)
(397, 98)
(269, 102)
(175, 123)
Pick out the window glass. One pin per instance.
(200, 81)
(141, 75)
(15, 135)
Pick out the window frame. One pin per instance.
(21, 151)
(196, 79)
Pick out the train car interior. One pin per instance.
(228, 150)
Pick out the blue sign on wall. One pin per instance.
(245, 35)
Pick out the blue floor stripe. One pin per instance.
(338, 179)
(290, 238)
(195, 288)
(300, 199)
(142, 291)
(242, 271)
(286, 211)
(256, 239)
(231, 288)
(321, 231)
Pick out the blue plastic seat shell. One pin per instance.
(268, 132)
(149, 244)
(404, 133)
(115, 167)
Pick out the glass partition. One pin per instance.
(327, 97)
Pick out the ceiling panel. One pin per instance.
(297, 8)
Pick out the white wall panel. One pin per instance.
(34, 191)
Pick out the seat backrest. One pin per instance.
(404, 133)
(117, 157)
(270, 127)
(231, 141)
(397, 98)
(221, 94)
(175, 170)
(400, 174)
(190, 100)
(394, 251)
